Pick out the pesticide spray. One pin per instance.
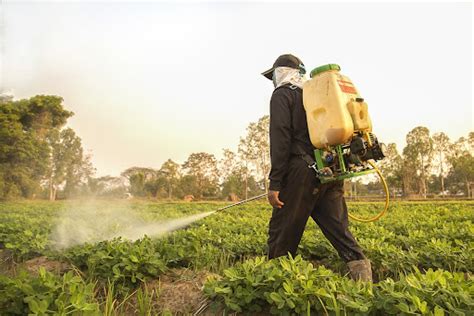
(161, 228)
(94, 221)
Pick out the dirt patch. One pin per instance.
(180, 291)
(7, 265)
(54, 266)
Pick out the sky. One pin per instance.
(156, 80)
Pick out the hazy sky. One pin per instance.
(152, 81)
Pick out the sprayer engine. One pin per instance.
(350, 159)
(361, 149)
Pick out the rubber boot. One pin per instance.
(360, 270)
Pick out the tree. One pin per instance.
(240, 184)
(69, 168)
(139, 179)
(137, 184)
(148, 173)
(188, 185)
(418, 154)
(391, 167)
(228, 166)
(203, 167)
(244, 155)
(442, 148)
(470, 141)
(23, 157)
(170, 170)
(43, 113)
(156, 186)
(228, 163)
(461, 175)
(256, 147)
(235, 177)
(409, 176)
(464, 145)
(108, 186)
(78, 165)
(56, 166)
(25, 152)
(463, 172)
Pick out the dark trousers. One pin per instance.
(303, 197)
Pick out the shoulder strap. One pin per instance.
(310, 161)
(289, 86)
(307, 158)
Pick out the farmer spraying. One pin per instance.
(295, 192)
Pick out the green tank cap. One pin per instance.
(323, 68)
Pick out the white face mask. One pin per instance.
(282, 75)
(274, 79)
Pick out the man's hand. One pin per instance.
(274, 200)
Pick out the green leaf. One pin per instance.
(276, 298)
(34, 306)
(288, 287)
(223, 290)
(403, 307)
(438, 311)
(285, 265)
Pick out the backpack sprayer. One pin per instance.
(340, 129)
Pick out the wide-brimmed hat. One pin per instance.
(286, 60)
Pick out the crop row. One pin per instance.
(412, 235)
(413, 243)
(287, 286)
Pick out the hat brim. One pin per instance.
(268, 73)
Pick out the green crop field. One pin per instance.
(422, 256)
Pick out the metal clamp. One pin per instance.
(325, 172)
(315, 168)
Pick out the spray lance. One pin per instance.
(340, 129)
(242, 202)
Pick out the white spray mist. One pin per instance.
(94, 221)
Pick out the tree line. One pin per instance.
(237, 175)
(431, 165)
(41, 158)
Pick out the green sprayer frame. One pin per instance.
(318, 154)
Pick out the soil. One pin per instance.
(180, 291)
(54, 266)
(7, 265)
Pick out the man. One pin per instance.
(295, 192)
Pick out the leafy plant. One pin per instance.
(125, 263)
(293, 286)
(47, 294)
(289, 286)
(413, 245)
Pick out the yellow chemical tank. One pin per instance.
(334, 108)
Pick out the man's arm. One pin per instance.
(280, 136)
